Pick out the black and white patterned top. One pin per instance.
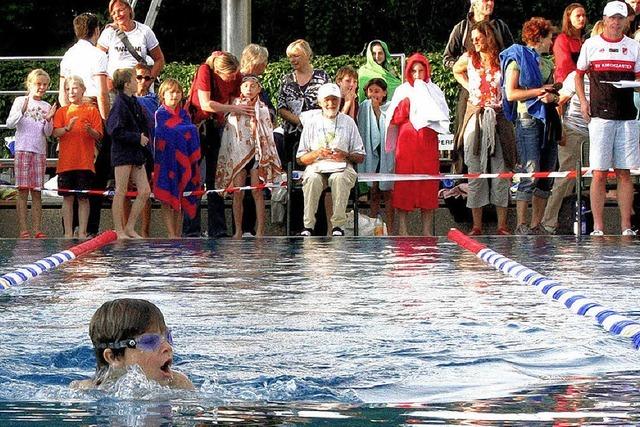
(298, 99)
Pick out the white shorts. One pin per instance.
(614, 144)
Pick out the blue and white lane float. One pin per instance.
(609, 319)
(28, 272)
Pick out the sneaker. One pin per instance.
(597, 233)
(522, 229)
(337, 231)
(307, 232)
(629, 232)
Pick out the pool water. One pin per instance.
(349, 331)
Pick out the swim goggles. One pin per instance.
(145, 342)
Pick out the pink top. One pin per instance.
(31, 127)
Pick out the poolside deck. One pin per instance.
(52, 219)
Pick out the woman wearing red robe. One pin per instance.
(417, 113)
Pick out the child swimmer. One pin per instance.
(127, 332)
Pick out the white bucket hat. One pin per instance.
(328, 89)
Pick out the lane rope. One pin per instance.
(606, 317)
(28, 272)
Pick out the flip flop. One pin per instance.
(25, 235)
(40, 235)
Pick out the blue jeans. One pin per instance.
(532, 157)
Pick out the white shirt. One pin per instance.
(320, 132)
(87, 61)
(573, 116)
(141, 38)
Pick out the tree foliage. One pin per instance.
(189, 30)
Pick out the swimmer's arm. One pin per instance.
(181, 381)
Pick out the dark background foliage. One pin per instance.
(189, 29)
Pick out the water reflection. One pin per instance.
(355, 324)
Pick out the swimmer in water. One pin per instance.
(127, 332)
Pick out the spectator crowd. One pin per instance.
(523, 106)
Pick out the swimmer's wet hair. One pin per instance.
(122, 319)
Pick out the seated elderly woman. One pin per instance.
(330, 145)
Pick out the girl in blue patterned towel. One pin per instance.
(177, 154)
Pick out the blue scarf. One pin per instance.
(528, 61)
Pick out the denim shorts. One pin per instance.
(532, 157)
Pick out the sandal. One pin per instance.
(503, 232)
(40, 235)
(475, 231)
(25, 235)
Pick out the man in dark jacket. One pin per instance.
(460, 42)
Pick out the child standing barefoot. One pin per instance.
(127, 126)
(248, 147)
(371, 124)
(31, 117)
(79, 126)
(177, 153)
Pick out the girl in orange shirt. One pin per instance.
(78, 126)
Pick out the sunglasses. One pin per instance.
(145, 342)
(145, 78)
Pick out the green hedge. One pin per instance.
(13, 74)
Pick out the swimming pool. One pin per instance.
(330, 332)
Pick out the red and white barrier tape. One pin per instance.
(111, 193)
(362, 177)
(375, 177)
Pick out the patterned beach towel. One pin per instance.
(177, 153)
(244, 140)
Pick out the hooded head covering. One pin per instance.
(372, 69)
(428, 104)
(413, 59)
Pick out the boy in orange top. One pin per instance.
(78, 126)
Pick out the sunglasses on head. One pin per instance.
(145, 78)
(145, 342)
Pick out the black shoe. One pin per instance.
(337, 231)
(220, 235)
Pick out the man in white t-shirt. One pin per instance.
(610, 112)
(330, 145)
(140, 36)
(85, 60)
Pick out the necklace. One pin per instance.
(331, 136)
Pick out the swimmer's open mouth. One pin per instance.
(167, 366)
